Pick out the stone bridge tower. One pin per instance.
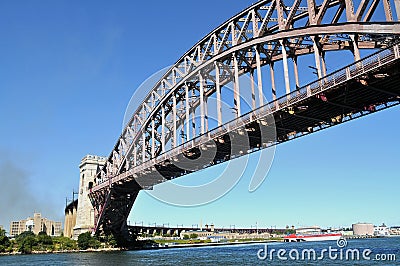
(88, 167)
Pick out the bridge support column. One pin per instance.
(162, 128)
(153, 144)
(218, 90)
(273, 88)
(134, 155)
(205, 114)
(285, 67)
(259, 78)
(174, 137)
(193, 117)
(187, 112)
(356, 51)
(253, 93)
(236, 86)
(323, 64)
(317, 56)
(143, 147)
(296, 72)
(201, 103)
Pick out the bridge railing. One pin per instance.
(317, 87)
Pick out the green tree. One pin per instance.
(19, 238)
(44, 239)
(111, 241)
(185, 236)
(94, 243)
(4, 241)
(27, 243)
(193, 235)
(84, 240)
(290, 231)
(64, 243)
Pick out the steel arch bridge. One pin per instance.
(172, 122)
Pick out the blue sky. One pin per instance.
(68, 70)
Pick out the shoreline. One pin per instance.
(137, 249)
(36, 252)
(105, 250)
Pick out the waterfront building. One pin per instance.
(395, 230)
(70, 218)
(36, 224)
(381, 230)
(363, 229)
(90, 165)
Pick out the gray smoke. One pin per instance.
(17, 201)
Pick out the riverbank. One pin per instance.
(104, 250)
(62, 251)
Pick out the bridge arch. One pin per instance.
(267, 33)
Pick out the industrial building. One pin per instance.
(363, 229)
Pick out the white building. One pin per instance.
(381, 230)
(36, 224)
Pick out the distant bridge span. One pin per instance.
(172, 122)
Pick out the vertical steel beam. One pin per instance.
(317, 56)
(279, 11)
(153, 144)
(259, 77)
(187, 112)
(174, 133)
(236, 86)
(134, 154)
(323, 63)
(285, 67)
(201, 103)
(356, 51)
(350, 10)
(255, 24)
(311, 11)
(206, 114)
(163, 128)
(218, 90)
(273, 88)
(253, 93)
(296, 72)
(143, 147)
(193, 117)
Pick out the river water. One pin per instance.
(243, 254)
